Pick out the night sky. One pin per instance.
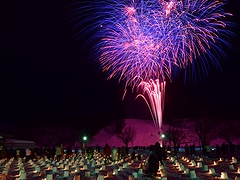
(47, 79)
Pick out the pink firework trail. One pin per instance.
(153, 92)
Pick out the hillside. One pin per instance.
(147, 134)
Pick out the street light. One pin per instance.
(84, 138)
(84, 141)
(162, 139)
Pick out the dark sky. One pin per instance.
(46, 79)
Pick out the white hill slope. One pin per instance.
(147, 134)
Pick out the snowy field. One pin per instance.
(77, 168)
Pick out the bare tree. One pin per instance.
(127, 135)
(176, 135)
(205, 130)
(229, 131)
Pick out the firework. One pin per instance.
(142, 42)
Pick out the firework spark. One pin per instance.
(153, 92)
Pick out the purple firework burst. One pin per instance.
(152, 39)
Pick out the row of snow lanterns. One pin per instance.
(65, 166)
(211, 171)
(192, 173)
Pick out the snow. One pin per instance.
(147, 135)
(90, 169)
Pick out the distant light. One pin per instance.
(163, 136)
(84, 138)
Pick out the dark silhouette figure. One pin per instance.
(107, 151)
(192, 149)
(139, 157)
(158, 150)
(164, 153)
(186, 150)
(154, 159)
(232, 147)
(69, 151)
(176, 148)
(224, 148)
(127, 150)
(153, 164)
(52, 152)
(218, 151)
(98, 148)
(133, 155)
(123, 153)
